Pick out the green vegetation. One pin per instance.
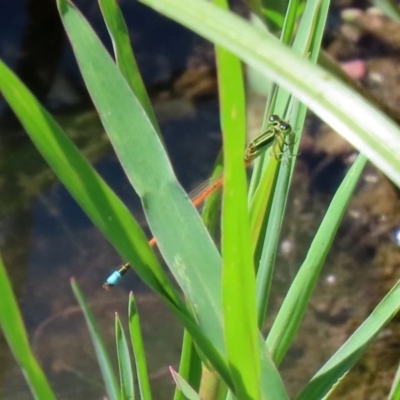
(224, 297)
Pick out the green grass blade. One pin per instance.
(260, 204)
(307, 42)
(353, 117)
(311, 29)
(395, 389)
(183, 386)
(181, 236)
(389, 7)
(292, 310)
(124, 56)
(90, 191)
(99, 347)
(13, 328)
(138, 350)
(289, 22)
(275, 11)
(238, 278)
(280, 174)
(272, 386)
(100, 203)
(127, 390)
(189, 365)
(353, 348)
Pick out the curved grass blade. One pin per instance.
(17, 339)
(292, 310)
(353, 348)
(181, 236)
(138, 350)
(99, 347)
(353, 117)
(124, 363)
(89, 190)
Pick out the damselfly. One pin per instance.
(277, 134)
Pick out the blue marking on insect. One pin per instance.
(115, 277)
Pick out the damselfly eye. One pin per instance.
(284, 126)
(274, 118)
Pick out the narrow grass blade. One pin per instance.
(99, 347)
(189, 365)
(311, 29)
(395, 389)
(138, 350)
(181, 236)
(15, 334)
(289, 22)
(292, 310)
(307, 43)
(100, 203)
(389, 7)
(272, 386)
(183, 386)
(124, 56)
(238, 278)
(260, 205)
(351, 351)
(124, 363)
(270, 211)
(353, 117)
(90, 191)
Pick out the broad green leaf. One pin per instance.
(181, 236)
(89, 190)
